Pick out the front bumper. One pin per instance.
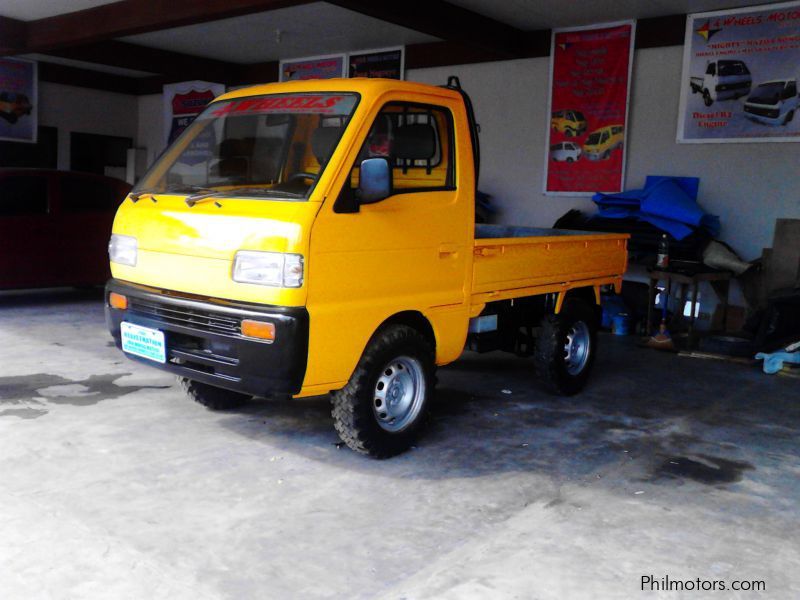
(204, 340)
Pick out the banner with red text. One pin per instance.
(590, 73)
(740, 76)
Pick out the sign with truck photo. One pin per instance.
(590, 70)
(740, 72)
(18, 100)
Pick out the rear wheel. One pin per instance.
(212, 397)
(566, 347)
(383, 408)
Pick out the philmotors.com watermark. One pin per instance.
(651, 583)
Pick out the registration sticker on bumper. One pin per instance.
(143, 341)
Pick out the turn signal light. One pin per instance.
(258, 329)
(118, 301)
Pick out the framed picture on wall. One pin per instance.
(588, 104)
(19, 100)
(386, 62)
(740, 76)
(313, 67)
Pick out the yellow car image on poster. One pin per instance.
(740, 73)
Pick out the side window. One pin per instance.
(791, 90)
(418, 142)
(86, 194)
(23, 195)
(711, 70)
(605, 137)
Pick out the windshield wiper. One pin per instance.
(239, 192)
(136, 196)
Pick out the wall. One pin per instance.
(747, 185)
(150, 132)
(88, 111)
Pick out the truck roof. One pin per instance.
(771, 81)
(360, 85)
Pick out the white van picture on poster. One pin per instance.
(740, 76)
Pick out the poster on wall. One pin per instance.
(183, 102)
(314, 67)
(740, 72)
(386, 63)
(18, 100)
(590, 75)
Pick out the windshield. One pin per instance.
(767, 93)
(274, 146)
(727, 67)
(593, 139)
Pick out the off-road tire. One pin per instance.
(352, 406)
(549, 354)
(212, 397)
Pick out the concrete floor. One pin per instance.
(113, 485)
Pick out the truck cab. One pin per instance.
(317, 237)
(723, 80)
(773, 102)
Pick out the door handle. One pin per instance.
(448, 251)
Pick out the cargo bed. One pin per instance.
(513, 262)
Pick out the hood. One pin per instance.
(191, 250)
(216, 229)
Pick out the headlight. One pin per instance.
(122, 250)
(268, 268)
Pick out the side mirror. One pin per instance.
(374, 180)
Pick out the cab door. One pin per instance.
(408, 252)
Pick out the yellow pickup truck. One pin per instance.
(318, 237)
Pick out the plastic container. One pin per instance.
(621, 324)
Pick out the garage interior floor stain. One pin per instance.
(703, 469)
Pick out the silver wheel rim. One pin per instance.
(399, 394)
(577, 347)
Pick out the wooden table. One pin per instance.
(685, 277)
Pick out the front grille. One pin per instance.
(187, 317)
(763, 112)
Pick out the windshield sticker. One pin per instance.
(286, 104)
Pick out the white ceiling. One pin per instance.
(546, 14)
(28, 10)
(306, 30)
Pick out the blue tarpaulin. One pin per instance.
(669, 203)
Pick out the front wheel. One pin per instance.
(707, 100)
(383, 408)
(566, 347)
(788, 118)
(212, 397)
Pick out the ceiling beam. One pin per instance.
(448, 22)
(130, 17)
(12, 35)
(74, 76)
(153, 60)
